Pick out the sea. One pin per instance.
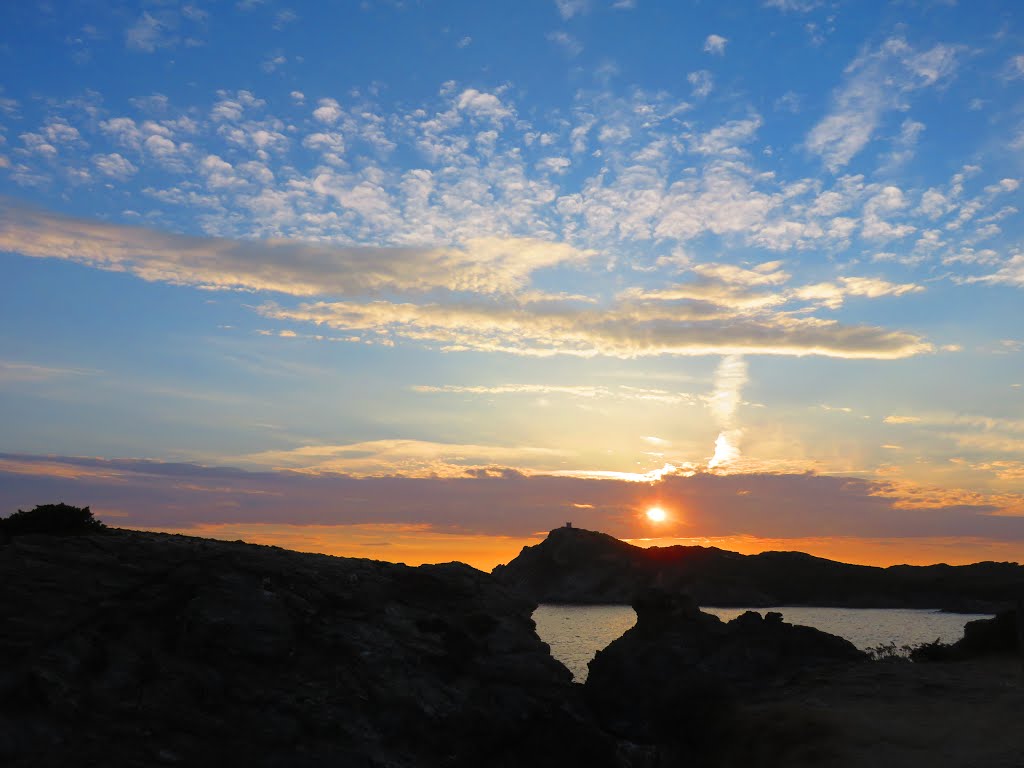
(577, 632)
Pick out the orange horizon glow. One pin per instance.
(418, 545)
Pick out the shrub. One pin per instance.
(53, 519)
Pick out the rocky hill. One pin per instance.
(139, 649)
(574, 565)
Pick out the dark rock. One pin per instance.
(574, 565)
(134, 649)
(983, 637)
(674, 678)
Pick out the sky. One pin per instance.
(421, 281)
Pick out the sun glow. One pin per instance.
(657, 515)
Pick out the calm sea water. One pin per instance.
(577, 632)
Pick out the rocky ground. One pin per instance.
(965, 714)
(122, 648)
(141, 649)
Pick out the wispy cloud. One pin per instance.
(799, 6)
(566, 42)
(586, 392)
(624, 332)
(12, 371)
(724, 401)
(875, 83)
(569, 8)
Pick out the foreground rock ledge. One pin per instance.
(140, 649)
(675, 680)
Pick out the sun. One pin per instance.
(657, 515)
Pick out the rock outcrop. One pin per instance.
(672, 682)
(141, 649)
(578, 566)
(1000, 635)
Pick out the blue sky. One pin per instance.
(628, 244)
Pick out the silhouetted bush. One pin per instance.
(53, 519)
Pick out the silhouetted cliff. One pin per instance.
(574, 565)
(139, 649)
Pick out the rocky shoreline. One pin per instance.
(124, 648)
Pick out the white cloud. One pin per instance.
(114, 166)
(1011, 273)
(832, 295)
(701, 83)
(768, 273)
(875, 84)
(124, 130)
(726, 139)
(146, 34)
(483, 105)
(566, 42)
(569, 8)
(715, 44)
(800, 6)
(328, 111)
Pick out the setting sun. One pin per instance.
(657, 515)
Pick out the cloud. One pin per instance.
(498, 311)
(586, 392)
(408, 458)
(1010, 273)
(832, 295)
(730, 378)
(566, 42)
(17, 372)
(569, 8)
(146, 34)
(799, 6)
(328, 111)
(715, 44)
(475, 165)
(483, 265)
(902, 419)
(624, 331)
(764, 274)
(701, 82)
(875, 83)
(114, 165)
(504, 502)
(482, 105)
(726, 139)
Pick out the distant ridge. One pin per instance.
(574, 565)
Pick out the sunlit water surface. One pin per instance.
(577, 632)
